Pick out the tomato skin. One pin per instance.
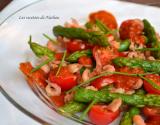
(65, 79)
(132, 29)
(106, 17)
(58, 56)
(153, 120)
(151, 111)
(122, 54)
(84, 60)
(100, 82)
(99, 115)
(104, 56)
(75, 45)
(148, 87)
(127, 82)
(38, 76)
(58, 100)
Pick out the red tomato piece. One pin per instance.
(122, 54)
(132, 29)
(127, 82)
(65, 79)
(85, 61)
(153, 120)
(106, 17)
(58, 56)
(148, 87)
(151, 111)
(76, 45)
(38, 76)
(99, 115)
(104, 56)
(102, 81)
(58, 100)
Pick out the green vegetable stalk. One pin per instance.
(146, 65)
(152, 38)
(73, 107)
(96, 38)
(102, 27)
(76, 55)
(39, 50)
(86, 96)
(124, 45)
(98, 26)
(127, 116)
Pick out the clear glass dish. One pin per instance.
(39, 18)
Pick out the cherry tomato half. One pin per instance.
(102, 81)
(103, 55)
(127, 82)
(153, 120)
(76, 45)
(151, 111)
(58, 100)
(132, 29)
(65, 79)
(99, 115)
(38, 76)
(148, 87)
(58, 56)
(106, 17)
(85, 61)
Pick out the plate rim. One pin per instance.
(4, 93)
(8, 97)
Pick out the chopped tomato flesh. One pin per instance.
(37, 77)
(106, 17)
(65, 79)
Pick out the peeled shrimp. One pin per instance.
(138, 84)
(115, 105)
(46, 68)
(51, 46)
(138, 120)
(53, 89)
(117, 90)
(91, 88)
(85, 75)
(68, 97)
(74, 67)
(151, 58)
(109, 68)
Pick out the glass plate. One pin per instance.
(40, 18)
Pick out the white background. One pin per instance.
(9, 115)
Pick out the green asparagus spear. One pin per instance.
(85, 95)
(127, 116)
(39, 50)
(89, 25)
(98, 26)
(76, 55)
(148, 66)
(102, 27)
(82, 70)
(124, 45)
(73, 107)
(151, 35)
(95, 38)
(140, 92)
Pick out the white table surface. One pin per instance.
(10, 115)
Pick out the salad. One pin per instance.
(101, 70)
